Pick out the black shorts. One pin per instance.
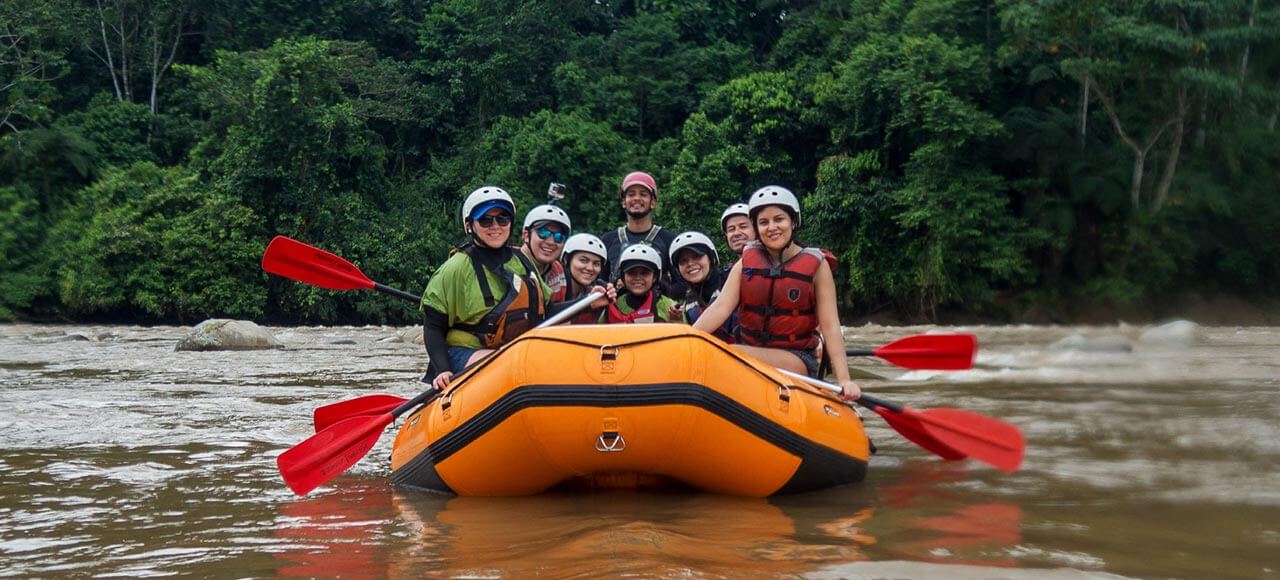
(810, 362)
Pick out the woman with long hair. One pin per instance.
(784, 294)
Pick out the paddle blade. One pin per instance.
(979, 437)
(298, 261)
(324, 455)
(943, 352)
(910, 427)
(366, 405)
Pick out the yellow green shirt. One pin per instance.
(455, 291)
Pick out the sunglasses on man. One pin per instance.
(557, 237)
(487, 220)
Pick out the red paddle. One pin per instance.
(366, 405)
(323, 456)
(298, 261)
(948, 433)
(942, 352)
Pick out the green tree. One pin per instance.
(644, 79)
(294, 144)
(155, 245)
(33, 47)
(750, 133)
(21, 231)
(932, 220)
(524, 154)
(1150, 65)
(483, 60)
(136, 42)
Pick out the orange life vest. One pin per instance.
(521, 307)
(777, 304)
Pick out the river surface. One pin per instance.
(122, 457)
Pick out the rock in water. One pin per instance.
(225, 334)
(1178, 333)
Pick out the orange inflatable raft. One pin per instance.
(627, 406)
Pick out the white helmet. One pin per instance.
(774, 195)
(690, 239)
(485, 198)
(735, 209)
(548, 213)
(640, 254)
(585, 243)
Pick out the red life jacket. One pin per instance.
(777, 305)
(558, 281)
(643, 313)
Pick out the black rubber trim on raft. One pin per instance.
(820, 466)
(421, 473)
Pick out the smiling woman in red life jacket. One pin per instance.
(486, 294)
(584, 260)
(784, 294)
(642, 301)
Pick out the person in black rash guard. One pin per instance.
(639, 198)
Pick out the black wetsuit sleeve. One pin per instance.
(435, 325)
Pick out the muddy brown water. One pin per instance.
(122, 457)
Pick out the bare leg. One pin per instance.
(478, 356)
(774, 357)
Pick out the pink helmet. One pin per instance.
(640, 178)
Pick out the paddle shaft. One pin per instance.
(401, 294)
(430, 394)
(922, 352)
(865, 400)
(423, 398)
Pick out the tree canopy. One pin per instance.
(995, 158)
